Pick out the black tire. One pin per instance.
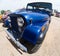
(34, 49)
(39, 42)
(37, 46)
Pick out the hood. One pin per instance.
(31, 13)
(34, 16)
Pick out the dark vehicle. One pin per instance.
(6, 19)
(28, 27)
(57, 14)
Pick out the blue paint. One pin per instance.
(32, 29)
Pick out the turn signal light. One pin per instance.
(43, 28)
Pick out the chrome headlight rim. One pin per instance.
(20, 21)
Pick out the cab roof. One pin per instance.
(41, 5)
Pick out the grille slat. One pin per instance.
(14, 23)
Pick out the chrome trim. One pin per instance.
(16, 42)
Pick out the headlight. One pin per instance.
(41, 35)
(9, 19)
(20, 21)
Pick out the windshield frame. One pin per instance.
(44, 5)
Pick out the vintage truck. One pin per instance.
(28, 27)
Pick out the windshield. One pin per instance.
(39, 5)
(34, 7)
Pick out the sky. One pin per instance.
(18, 4)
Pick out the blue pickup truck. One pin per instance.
(28, 27)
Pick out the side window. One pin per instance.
(30, 7)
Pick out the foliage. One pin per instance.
(2, 11)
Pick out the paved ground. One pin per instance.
(49, 47)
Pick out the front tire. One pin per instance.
(39, 42)
(37, 46)
(34, 49)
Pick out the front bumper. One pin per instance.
(17, 42)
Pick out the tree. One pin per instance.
(2, 11)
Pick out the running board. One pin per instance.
(16, 41)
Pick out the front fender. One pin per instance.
(31, 33)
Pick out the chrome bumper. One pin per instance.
(22, 47)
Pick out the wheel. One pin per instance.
(39, 41)
(38, 44)
(34, 49)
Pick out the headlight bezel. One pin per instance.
(20, 21)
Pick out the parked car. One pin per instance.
(28, 28)
(57, 14)
(5, 18)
